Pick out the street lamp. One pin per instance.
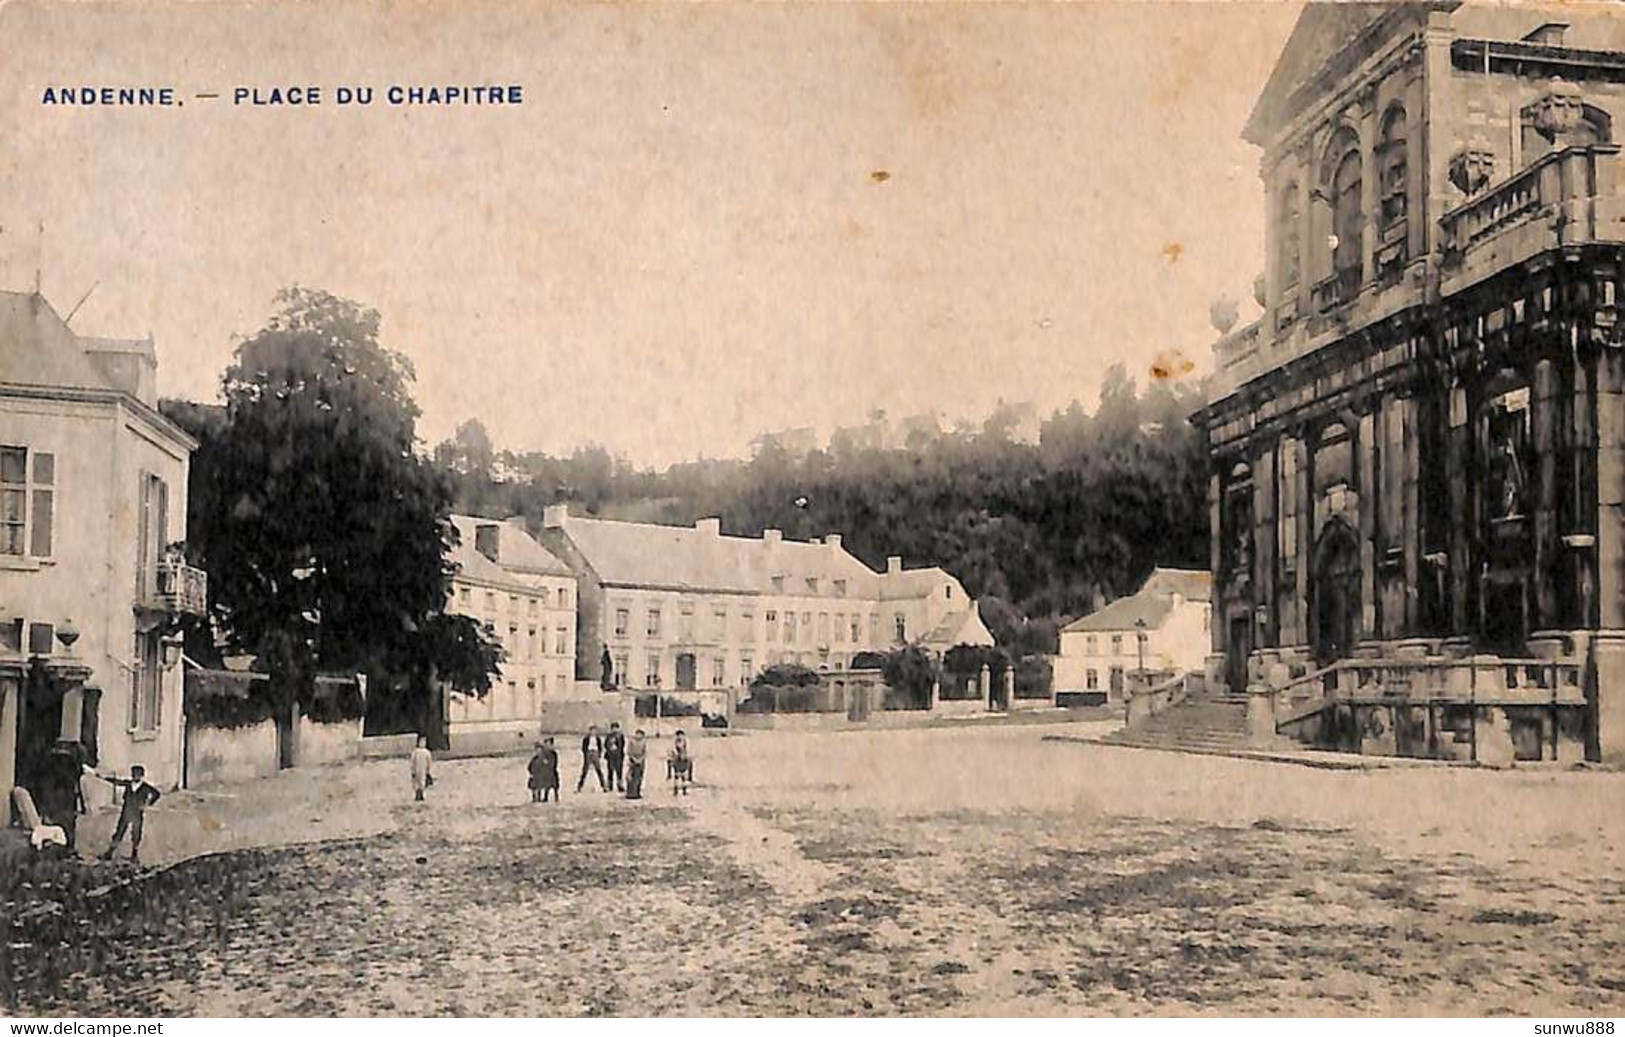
(1140, 636)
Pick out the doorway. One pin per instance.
(1336, 593)
(686, 672)
(1237, 648)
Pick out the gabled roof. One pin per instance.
(38, 348)
(640, 554)
(1152, 603)
(521, 558)
(962, 627)
(1324, 31)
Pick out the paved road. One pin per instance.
(901, 872)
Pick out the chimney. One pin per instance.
(833, 540)
(711, 526)
(1179, 600)
(554, 516)
(894, 564)
(772, 536)
(487, 538)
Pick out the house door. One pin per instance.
(1237, 648)
(685, 672)
(1337, 593)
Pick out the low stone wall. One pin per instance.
(958, 707)
(323, 744)
(1017, 705)
(229, 755)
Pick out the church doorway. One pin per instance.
(1336, 593)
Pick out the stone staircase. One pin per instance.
(1210, 724)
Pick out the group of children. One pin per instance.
(617, 761)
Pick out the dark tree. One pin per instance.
(324, 534)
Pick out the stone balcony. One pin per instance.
(177, 589)
(1568, 197)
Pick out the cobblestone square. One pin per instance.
(986, 871)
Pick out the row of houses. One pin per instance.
(94, 583)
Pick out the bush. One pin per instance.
(1034, 677)
(670, 706)
(910, 672)
(793, 699)
(786, 675)
(868, 661)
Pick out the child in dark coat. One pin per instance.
(138, 796)
(544, 772)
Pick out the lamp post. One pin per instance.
(1140, 636)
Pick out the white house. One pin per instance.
(1098, 652)
(93, 487)
(525, 597)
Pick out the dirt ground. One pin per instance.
(983, 871)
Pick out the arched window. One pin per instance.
(1288, 215)
(1391, 171)
(1346, 216)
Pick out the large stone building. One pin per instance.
(1162, 627)
(92, 579)
(525, 598)
(689, 608)
(1419, 449)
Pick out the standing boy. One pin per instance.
(138, 796)
(592, 748)
(637, 754)
(615, 756)
(422, 765)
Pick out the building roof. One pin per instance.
(1323, 32)
(38, 348)
(1152, 603)
(521, 560)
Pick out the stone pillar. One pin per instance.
(1365, 466)
(1009, 687)
(1216, 535)
(985, 685)
(1264, 546)
(1546, 400)
(1439, 75)
(936, 694)
(1411, 511)
(1610, 418)
(1368, 184)
(11, 684)
(1605, 687)
(1261, 716)
(1458, 452)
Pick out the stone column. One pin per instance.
(1261, 716)
(1411, 513)
(1609, 644)
(1365, 465)
(1369, 193)
(1264, 546)
(1435, 124)
(11, 684)
(1545, 402)
(1458, 454)
(1216, 530)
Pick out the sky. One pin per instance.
(702, 222)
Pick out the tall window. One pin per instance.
(153, 521)
(653, 626)
(823, 628)
(27, 501)
(1344, 187)
(900, 629)
(720, 618)
(1391, 172)
(146, 685)
(561, 641)
(772, 619)
(651, 677)
(789, 628)
(717, 672)
(747, 619)
(857, 632)
(623, 619)
(747, 669)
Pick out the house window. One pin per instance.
(747, 669)
(623, 618)
(1092, 645)
(717, 672)
(1342, 178)
(789, 627)
(685, 612)
(513, 603)
(490, 601)
(545, 596)
(651, 672)
(533, 606)
(899, 629)
(1091, 679)
(748, 619)
(652, 628)
(874, 628)
(720, 619)
(772, 619)
(564, 597)
(778, 585)
(857, 632)
(464, 596)
(513, 633)
(812, 585)
(823, 628)
(146, 685)
(40, 637)
(1117, 644)
(621, 661)
(840, 627)
(948, 592)
(27, 501)
(534, 643)
(561, 641)
(153, 521)
(840, 588)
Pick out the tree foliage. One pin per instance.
(324, 534)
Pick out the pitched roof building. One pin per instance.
(688, 607)
(1171, 609)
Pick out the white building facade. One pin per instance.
(690, 609)
(1101, 651)
(93, 484)
(526, 599)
